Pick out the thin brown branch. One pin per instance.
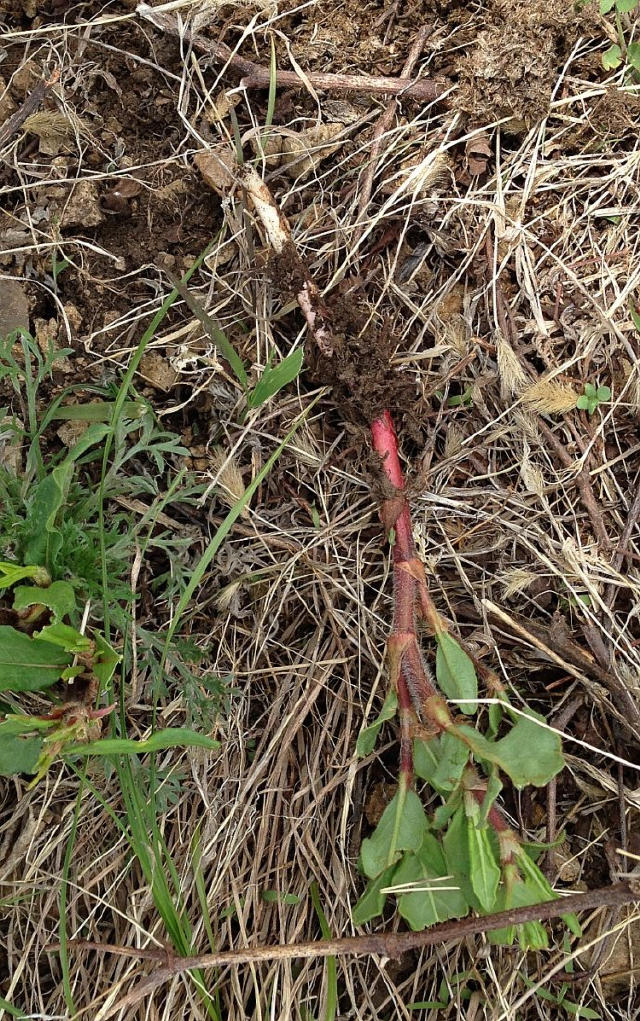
(255, 76)
(385, 944)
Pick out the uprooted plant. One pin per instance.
(464, 856)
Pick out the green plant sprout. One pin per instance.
(592, 397)
(620, 52)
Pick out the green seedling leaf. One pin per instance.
(606, 6)
(441, 761)
(371, 904)
(401, 828)
(59, 597)
(529, 754)
(577, 1010)
(172, 737)
(41, 517)
(273, 379)
(485, 873)
(28, 664)
(612, 58)
(369, 735)
(624, 6)
(455, 672)
(10, 574)
(431, 903)
(275, 897)
(68, 638)
(603, 393)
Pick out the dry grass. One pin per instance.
(491, 284)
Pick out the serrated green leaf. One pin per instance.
(18, 754)
(432, 903)
(58, 597)
(484, 870)
(28, 664)
(371, 903)
(273, 379)
(172, 737)
(612, 58)
(66, 637)
(441, 761)
(401, 828)
(369, 735)
(455, 672)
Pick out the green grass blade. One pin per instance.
(332, 965)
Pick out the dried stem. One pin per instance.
(12, 125)
(385, 944)
(254, 76)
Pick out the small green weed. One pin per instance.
(462, 857)
(621, 52)
(593, 397)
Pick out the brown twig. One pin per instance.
(12, 125)
(385, 944)
(255, 76)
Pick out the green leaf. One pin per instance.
(612, 58)
(455, 672)
(105, 660)
(41, 516)
(456, 851)
(275, 897)
(514, 893)
(369, 735)
(172, 737)
(485, 873)
(606, 6)
(401, 828)
(371, 903)
(28, 664)
(577, 1010)
(529, 754)
(18, 754)
(494, 786)
(603, 393)
(633, 55)
(11, 573)
(441, 761)
(273, 379)
(589, 389)
(66, 637)
(59, 597)
(98, 411)
(624, 6)
(425, 907)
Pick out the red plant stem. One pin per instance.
(410, 672)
